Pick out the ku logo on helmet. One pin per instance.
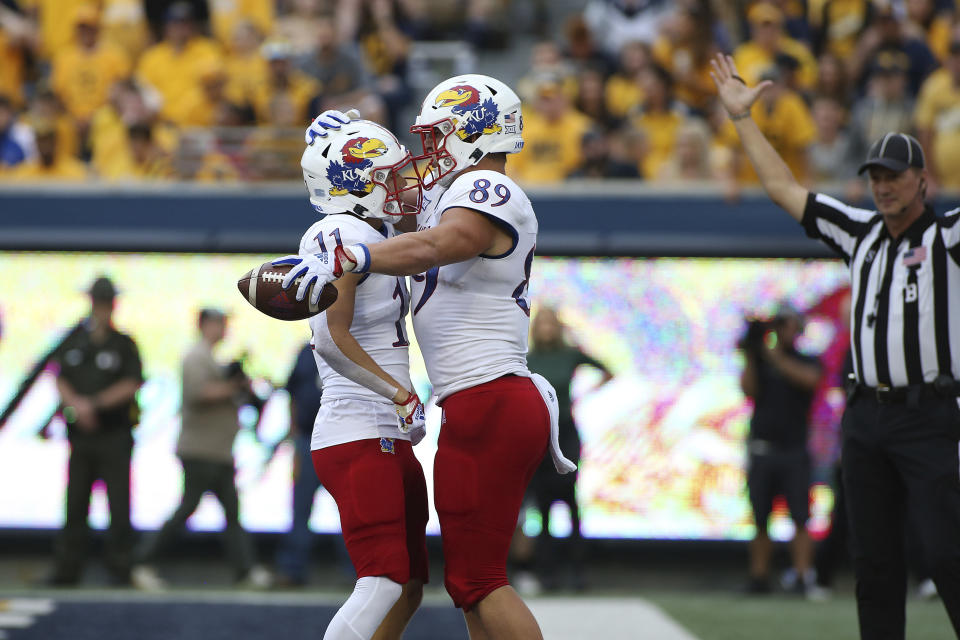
(357, 154)
(464, 101)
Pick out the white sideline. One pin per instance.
(607, 618)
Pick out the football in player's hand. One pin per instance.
(262, 287)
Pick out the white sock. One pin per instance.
(364, 610)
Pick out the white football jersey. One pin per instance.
(472, 317)
(379, 326)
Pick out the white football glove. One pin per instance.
(317, 268)
(330, 120)
(323, 268)
(410, 416)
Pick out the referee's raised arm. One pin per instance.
(775, 176)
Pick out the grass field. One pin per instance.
(732, 617)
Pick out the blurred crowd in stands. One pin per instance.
(219, 90)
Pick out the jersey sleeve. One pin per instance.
(838, 225)
(496, 197)
(950, 230)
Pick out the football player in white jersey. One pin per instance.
(470, 260)
(361, 452)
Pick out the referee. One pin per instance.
(901, 429)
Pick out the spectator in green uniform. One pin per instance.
(555, 360)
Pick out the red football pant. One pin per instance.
(493, 438)
(381, 493)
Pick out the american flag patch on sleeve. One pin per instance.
(915, 256)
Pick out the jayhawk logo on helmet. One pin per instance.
(465, 102)
(357, 154)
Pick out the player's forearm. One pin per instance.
(405, 255)
(120, 393)
(343, 353)
(775, 176)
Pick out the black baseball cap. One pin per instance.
(895, 151)
(211, 313)
(103, 289)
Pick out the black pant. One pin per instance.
(553, 554)
(200, 476)
(99, 456)
(834, 548)
(901, 461)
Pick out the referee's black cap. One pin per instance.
(895, 151)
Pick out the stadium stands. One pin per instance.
(126, 90)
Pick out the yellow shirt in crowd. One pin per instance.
(124, 23)
(846, 21)
(11, 69)
(111, 157)
(244, 75)
(660, 133)
(83, 78)
(195, 110)
(752, 61)
(622, 94)
(699, 89)
(63, 169)
(55, 18)
(174, 73)
(789, 127)
(300, 91)
(938, 110)
(551, 150)
(939, 36)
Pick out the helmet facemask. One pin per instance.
(404, 192)
(435, 163)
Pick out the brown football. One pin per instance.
(262, 288)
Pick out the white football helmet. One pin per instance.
(462, 120)
(361, 169)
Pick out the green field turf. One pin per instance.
(734, 617)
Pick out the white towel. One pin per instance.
(562, 464)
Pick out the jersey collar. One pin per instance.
(915, 231)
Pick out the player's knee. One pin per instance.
(379, 592)
(467, 590)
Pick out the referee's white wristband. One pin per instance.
(361, 254)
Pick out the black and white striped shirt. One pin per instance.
(905, 300)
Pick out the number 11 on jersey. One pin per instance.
(400, 292)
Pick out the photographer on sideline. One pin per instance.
(781, 382)
(212, 393)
